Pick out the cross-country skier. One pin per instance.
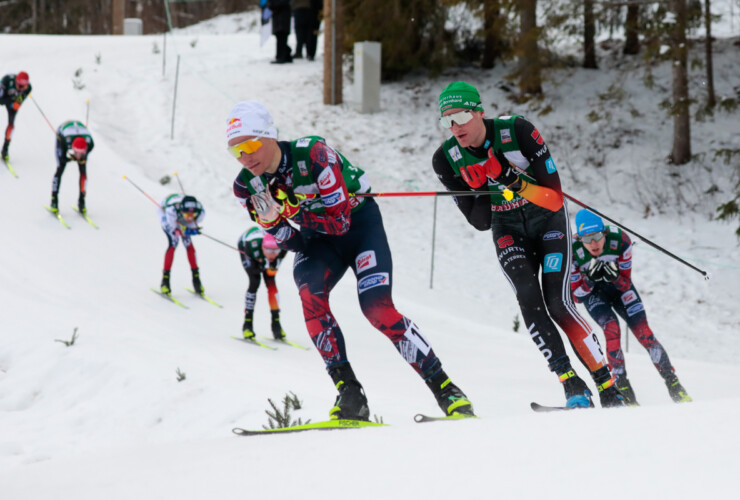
(74, 143)
(521, 202)
(180, 216)
(14, 89)
(309, 183)
(601, 280)
(261, 257)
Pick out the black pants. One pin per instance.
(530, 240)
(306, 31)
(282, 53)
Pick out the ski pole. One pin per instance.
(42, 113)
(657, 247)
(219, 241)
(405, 193)
(180, 183)
(87, 112)
(476, 193)
(143, 192)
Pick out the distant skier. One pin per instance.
(601, 280)
(260, 257)
(307, 182)
(74, 143)
(180, 216)
(14, 89)
(521, 203)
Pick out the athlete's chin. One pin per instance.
(255, 169)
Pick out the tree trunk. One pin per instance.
(681, 152)
(333, 47)
(491, 41)
(589, 33)
(118, 12)
(711, 99)
(632, 30)
(530, 80)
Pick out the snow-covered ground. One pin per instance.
(107, 418)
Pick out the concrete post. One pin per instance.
(367, 76)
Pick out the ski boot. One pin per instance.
(81, 204)
(449, 397)
(165, 285)
(197, 286)
(4, 152)
(609, 395)
(277, 330)
(54, 203)
(675, 389)
(625, 388)
(577, 393)
(351, 404)
(247, 328)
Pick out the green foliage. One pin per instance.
(70, 342)
(180, 375)
(729, 210)
(517, 323)
(279, 419)
(412, 34)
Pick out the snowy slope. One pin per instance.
(107, 417)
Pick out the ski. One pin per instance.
(287, 342)
(327, 425)
(85, 216)
(544, 409)
(10, 167)
(420, 418)
(204, 297)
(58, 216)
(254, 342)
(169, 297)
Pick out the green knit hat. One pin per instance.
(459, 95)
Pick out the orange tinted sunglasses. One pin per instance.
(249, 146)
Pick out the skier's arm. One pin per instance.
(547, 193)
(476, 209)
(326, 168)
(624, 281)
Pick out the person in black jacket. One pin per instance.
(13, 90)
(307, 21)
(281, 29)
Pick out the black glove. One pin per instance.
(594, 270)
(609, 272)
(601, 270)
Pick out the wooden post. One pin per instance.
(333, 47)
(119, 12)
